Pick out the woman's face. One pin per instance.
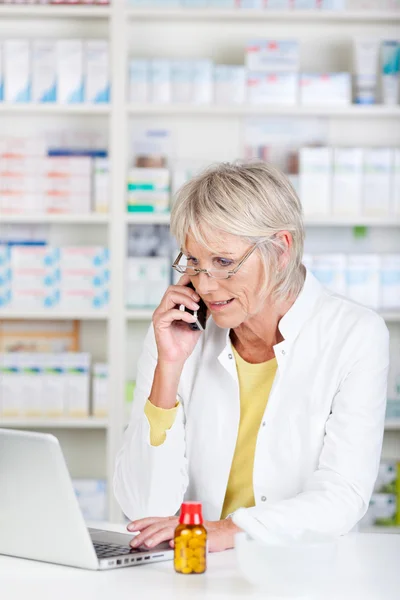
(241, 291)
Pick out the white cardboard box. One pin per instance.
(273, 56)
(316, 180)
(396, 182)
(70, 78)
(100, 390)
(325, 89)
(390, 281)
(272, 88)
(363, 285)
(44, 71)
(97, 72)
(378, 163)
(77, 369)
(230, 84)
(17, 71)
(347, 181)
(160, 81)
(330, 270)
(139, 81)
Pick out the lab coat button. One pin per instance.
(263, 423)
(283, 352)
(230, 356)
(263, 498)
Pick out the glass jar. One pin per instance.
(190, 540)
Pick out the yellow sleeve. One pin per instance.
(160, 419)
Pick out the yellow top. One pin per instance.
(255, 383)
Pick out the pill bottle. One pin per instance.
(190, 540)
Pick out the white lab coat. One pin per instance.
(319, 443)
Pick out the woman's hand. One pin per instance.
(154, 530)
(175, 340)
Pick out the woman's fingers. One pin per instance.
(143, 523)
(177, 315)
(155, 534)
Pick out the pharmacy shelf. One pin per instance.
(54, 423)
(392, 425)
(53, 315)
(143, 314)
(54, 109)
(391, 316)
(351, 111)
(157, 14)
(147, 219)
(49, 219)
(13, 11)
(352, 222)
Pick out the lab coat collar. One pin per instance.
(303, 307)
(290, 325)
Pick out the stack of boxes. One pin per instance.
(50, 385)
(39, 278)
(370, 279)
(48, 71)
(350, 182)
(34, 182)
(148, 190)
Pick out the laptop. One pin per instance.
(40, 518)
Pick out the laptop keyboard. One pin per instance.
(107, 550)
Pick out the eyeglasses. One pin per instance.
(215, 273)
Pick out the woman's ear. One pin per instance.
(285, 241)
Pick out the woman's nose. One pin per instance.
(205, 284)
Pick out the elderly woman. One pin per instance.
(278, 406)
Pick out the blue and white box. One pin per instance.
(17, 71)
(138, 91)
(362, 277)
(44, 71)
(160, 81)
(70, 71)
(273, 56)
(202, 92)
(377, 178)
(277, 4)
(230, 84)
(97, 72)
(181, 81)
(330, 270)
(390, 281)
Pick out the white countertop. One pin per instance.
(369, 569)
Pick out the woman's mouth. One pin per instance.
(218, 306)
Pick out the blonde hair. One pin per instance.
(254, 201)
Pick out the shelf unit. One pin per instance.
(251, 15)
(119, 20)
(352, 111)
(54, 423)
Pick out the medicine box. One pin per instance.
(70, 77)
(160, 81)
(17, 71)
(330, 270)
(101, 184)
(1, 74)
(202, 81)
(92, 498)
(100, 390)
(362, 278)
(325, 88)
(44, 71)
(390, 281)
(148, 190)
(230, 84)
(347, 181)
(396, 182)
(31, 384)
(147, 280)
(272, 88)
(181, 81)
(54, 385)
(315, 180)
(97, 72)
(139, 75)
(273, 56)
(77, 373)
(377, 174)
(11, 400)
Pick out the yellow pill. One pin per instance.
(193, 563)
(198, 532)
(187, 570)
(199, 552)
(188, 553)
(194, 543)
